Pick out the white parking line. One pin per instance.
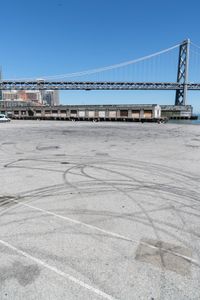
(109, 233)
(74, 221)
(59, 272)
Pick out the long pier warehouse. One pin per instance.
(125, 112)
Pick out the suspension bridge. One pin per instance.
(146, 73)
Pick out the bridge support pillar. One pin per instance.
(182, 75)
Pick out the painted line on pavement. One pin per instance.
(109, 233)
(57, 271)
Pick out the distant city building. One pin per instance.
(51, 98)
(37, 97)
(9, 95)
(33, 96)
(1, 93)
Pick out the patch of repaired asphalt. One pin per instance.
(160, 254)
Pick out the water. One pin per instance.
(186, 122)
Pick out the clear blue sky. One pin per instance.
(56, 36)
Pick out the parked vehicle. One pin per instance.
(4, 118)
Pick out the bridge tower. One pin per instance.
(182, 75)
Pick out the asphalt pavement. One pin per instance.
(99, 211)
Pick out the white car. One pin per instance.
(3, 118)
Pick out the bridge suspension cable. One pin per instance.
(194, 67)
(195, 45)
(99, 71)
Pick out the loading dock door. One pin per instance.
(147, 114)
(124, 113)
(135, 114)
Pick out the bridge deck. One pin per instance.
(82, 85)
